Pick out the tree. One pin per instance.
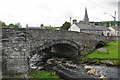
(11, 25)
(65, 26)
(2, 24)
(17, 25)
(42, 26)
(96, 23)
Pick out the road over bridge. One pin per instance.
(19, 45)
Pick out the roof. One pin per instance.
(86, 26)
(102, 28)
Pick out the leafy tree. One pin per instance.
(17, 25)
(42, 26)
(65, 26)
(96, 23)
(11, 25)
(2, 24)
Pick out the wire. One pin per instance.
(101, 6)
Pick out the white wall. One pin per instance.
(106, 33)
(117, 33)
(74, 27)
(113, 32)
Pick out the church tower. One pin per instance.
(86, 19)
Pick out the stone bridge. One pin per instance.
(19, 45)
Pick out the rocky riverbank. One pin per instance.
(102, 71)
(65, 68)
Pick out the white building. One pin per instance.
(83, 26)
(115, 30)
(101, 30)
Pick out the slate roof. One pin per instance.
(89, 27)
(102, 28)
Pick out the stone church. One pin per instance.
(89, 27)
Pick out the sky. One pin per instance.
(55, 12)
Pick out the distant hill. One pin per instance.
(107, 23)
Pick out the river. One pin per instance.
(67, 69)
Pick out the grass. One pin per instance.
(113, 53)
(37, 74)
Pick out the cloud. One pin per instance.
(54, 12)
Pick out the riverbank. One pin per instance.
(48, 65)
(42, 74)
(81, 71)
(112, 58)
(103, 71)
(91, 68)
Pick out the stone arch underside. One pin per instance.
(62, 47)
(100, 44)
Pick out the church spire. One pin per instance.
(86, 19)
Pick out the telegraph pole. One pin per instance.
(70, 23)
(113, 17)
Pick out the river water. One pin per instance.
(67, 69)
(103, 71)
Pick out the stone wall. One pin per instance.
(18, 45)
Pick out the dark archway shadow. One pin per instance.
(62, 47)
(100, 44)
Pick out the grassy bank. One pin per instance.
(100, 57)
(37, 74)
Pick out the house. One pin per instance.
(83, 26)
(115, 30)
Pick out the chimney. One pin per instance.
(92, 23)
(74, 21)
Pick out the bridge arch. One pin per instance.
(63, 47)
(100, 44)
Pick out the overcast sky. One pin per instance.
(55, 12)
